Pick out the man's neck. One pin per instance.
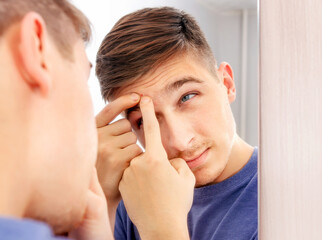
(238, 158)
(12, 197)
(14, 182)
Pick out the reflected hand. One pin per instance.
(116, 148)
(157, 193)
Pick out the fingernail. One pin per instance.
(145, 99)
(135, 97)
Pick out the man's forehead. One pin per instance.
(174, 69)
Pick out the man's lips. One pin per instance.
(197, 161)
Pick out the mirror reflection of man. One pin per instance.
(162, 55)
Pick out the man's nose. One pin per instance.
(177, 135)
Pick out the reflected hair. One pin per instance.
(143, 40)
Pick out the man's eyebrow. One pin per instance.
(171, 87)
(174, 86)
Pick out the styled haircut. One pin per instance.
(63, 20)
(143, 40)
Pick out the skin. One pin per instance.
(194, 122)
(165, 186)
(48, 138)
(125, 174)
(117, 147)
(195, 117)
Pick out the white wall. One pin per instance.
(223, 30)
(290, 120)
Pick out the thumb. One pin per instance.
(184, 171)
(182, 168)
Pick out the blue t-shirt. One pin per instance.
(25, 229)
(226, 210)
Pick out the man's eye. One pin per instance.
(139, 122)
(187, 97)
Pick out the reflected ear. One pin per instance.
(32, 53)
(226, 75)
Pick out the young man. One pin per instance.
(48, 137)
(161, 54)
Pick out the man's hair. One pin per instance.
(143, 40)
(63, 20)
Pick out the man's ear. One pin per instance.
(32, 53)
(226, 75)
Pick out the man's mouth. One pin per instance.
(198, 160)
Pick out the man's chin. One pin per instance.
(203, 183)
(64, 226)
(205, 177)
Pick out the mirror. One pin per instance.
(231, 30)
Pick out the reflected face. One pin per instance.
(194, 114)
(73, 142)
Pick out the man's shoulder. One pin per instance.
(25, 229)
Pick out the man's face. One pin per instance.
(193, 110)
(70, 154)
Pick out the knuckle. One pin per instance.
(103, 133)
(137, 149)
(125, 124)
(114, 163)
(134, 163)
(134, 150)
(132, 137)
(104, 150)
(125, 173)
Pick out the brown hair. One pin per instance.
(141, 41)
(64, 21)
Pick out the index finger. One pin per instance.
(151, 126)
(111, 110)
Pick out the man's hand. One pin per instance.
(95, 224)
(157, 193)
(116, 148)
